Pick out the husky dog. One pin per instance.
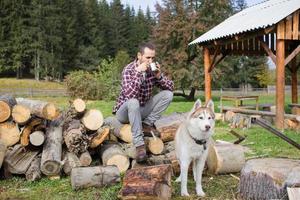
(191, 142)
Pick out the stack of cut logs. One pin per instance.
(36, 139)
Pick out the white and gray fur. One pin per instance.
(191, 142)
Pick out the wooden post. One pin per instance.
(207, 74)
(280, 57)
(294, 81)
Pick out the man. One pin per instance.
(136, 104)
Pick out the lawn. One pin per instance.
(260, 142)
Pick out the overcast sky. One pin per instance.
(144, 3)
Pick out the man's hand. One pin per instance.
(158, 71)
(142, 67)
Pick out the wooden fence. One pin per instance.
(30, 92)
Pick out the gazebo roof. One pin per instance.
(255, 17)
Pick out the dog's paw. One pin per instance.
(200, 193)
(178, 180)
(185, 194)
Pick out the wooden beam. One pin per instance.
(216, 52)
(294, 70)
(223, 55)
(207, 74)
(292, 55)
(268, 50)
(280, 83)
(296, 25)
(288, 27)
(270, 29)
(281, 30)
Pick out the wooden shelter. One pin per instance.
(270, 28)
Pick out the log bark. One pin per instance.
(92, 119)
(99, 137)
(19, 159)
(112, 154)
(41, 109)
(34, 172)
(121, 131)
(263, 179)
(225, 158)
(24, 140)
(79, 105)
(74, 137)
(84, 177)
(9, 133)
(21, 114)
(167, 125)
(85, 159)
(152, 182)
(70, 161)
(2, 151)
(7, 102)
(52, 152)
(37, 138)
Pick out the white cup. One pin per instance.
(153, 67)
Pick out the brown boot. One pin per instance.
(141, 155)
(147, 129)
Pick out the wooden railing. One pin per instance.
(30, 92)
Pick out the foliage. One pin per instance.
(84, 85)
(266, 77)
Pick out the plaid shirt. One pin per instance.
(138, 85)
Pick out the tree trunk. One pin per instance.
(122, 131)
(19, 159)
(34, 172)
(191, 96)
(85, 159)
(84, 177)
(152, 182)
(21, 114)
(92, 119)
(9, 133)
(7, 103)
(167, 125)
(39, 108)
(112, 154)
(264, 179)
(70, 161)
(52, 151)
(76, 142)
(225, 158)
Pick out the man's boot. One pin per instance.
(147, 129)
(141, 155)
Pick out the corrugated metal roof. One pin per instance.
(255, 17)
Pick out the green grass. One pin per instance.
(260, 142)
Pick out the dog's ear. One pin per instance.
(197, 105)
(210, 105)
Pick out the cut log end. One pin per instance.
(20, 114)
(9, 133)
(92, 119)
(125, 133)
(79, 105)
(50, 111)
(155, 145)
(37, 138)
(120, 161)
(4, 111)
(51, 167)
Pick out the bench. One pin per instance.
(295, 108)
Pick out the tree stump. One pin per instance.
(112, 154)
(225, 158)
(7, 102)
(92, 119)
(52, 151)
(9, 133)
(152, 182)
(41, 109)
(21, 114)
(84, 177)
(167, 125)
(264, 179)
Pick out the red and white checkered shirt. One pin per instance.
(138, 85)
